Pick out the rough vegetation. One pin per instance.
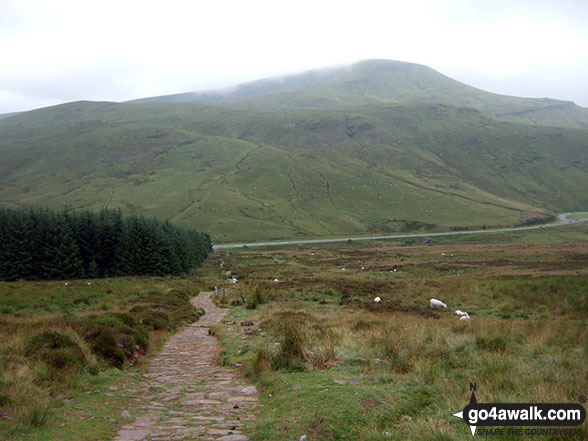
(332, 364)
(51, 343)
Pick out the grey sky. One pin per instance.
(66, 50)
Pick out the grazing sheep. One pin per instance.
(437, 304)
(276, 280)
(461, 313)
(465, 317)
(377, 300)
(235, 280)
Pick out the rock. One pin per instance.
(301, 438)
(296, 387)
(355, 381)
(250, 331)
(126, 414)
(233, 437)
(406, 419)
(218, 432)
(219, 394)
(133, 434)
(113, 388)
(340, 382)
(247, 390)
(247, 323)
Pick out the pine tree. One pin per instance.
(61, 255)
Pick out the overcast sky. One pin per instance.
(64, 50)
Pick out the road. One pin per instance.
(563, 220)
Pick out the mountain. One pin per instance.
(373, 82)
(6, 115)
(306, 156)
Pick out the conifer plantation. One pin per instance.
(43, 244)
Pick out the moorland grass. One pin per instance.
(53, 344)
(401, 369)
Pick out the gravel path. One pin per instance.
(186, 396)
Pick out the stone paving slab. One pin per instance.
(185, 395)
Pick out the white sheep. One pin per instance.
(276, 280)
(461, 313)
(235, 280)
(437, 304)
(465, 317)
(377, 300)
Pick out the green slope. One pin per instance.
(386, 82)
(260, 172)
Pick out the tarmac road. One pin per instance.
(563, 220)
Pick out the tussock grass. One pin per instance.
(526, 341)
(44, 353)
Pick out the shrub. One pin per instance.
(292, 355)
(495, 343)
(155, 319)
(57, 350)
(263, 361)
(259, 295)
(107, 347)
(103, 340)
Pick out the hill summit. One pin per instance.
(375, 147)
(372, 82)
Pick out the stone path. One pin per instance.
(186, 396)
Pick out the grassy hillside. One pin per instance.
(372, 82)
(247, 174)
(375, 147)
